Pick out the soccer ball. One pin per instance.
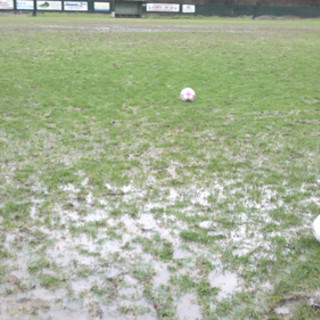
(316, 228)
(187, 95)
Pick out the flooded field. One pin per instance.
(119, 201)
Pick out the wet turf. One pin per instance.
(118, 200)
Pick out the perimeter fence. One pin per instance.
(255, 11)
(102, 6)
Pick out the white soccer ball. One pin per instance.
(316, 228)
(187, 95)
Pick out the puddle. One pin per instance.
(314, 300)
(103, 252)
(267, 286)
(70, 313)
(97, 215)
(70, 188)
(147, 222)
(85, 182)
(83, 285)
(127, 188)
(283, 310)
(48, 295)
(9, 240)
(89, 198)
(130, 224)
(180, 253)
(206, 225)
(66, 216)
(172, 170)
(39, 308)
(67, 249)
(173, 195)
(162, 276)
(227, 282)
(246, 241)
(127, 193)
(148, 225)
(130, 281)
(131, 289)
(33, 212)
(130, 293)
(110, 247)
(188, 308)
(201, 197)
(149, 206)
(132, 298)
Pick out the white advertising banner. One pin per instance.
(75, 6)
(24, 5)
(6, 5)
(49, 5)
(102, 6)
(163, 7)
(188, 8)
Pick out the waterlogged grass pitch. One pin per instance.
(119, 201)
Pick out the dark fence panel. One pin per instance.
(214, 10)
(231, 11)
(303, 12)
(244, 10)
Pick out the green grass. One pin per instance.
(106, 175)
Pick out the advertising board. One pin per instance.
(188, 8)
(75, 6)
(49, 5)
(163, 7)
(102, 6)
(24, 5)
(6, 4)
